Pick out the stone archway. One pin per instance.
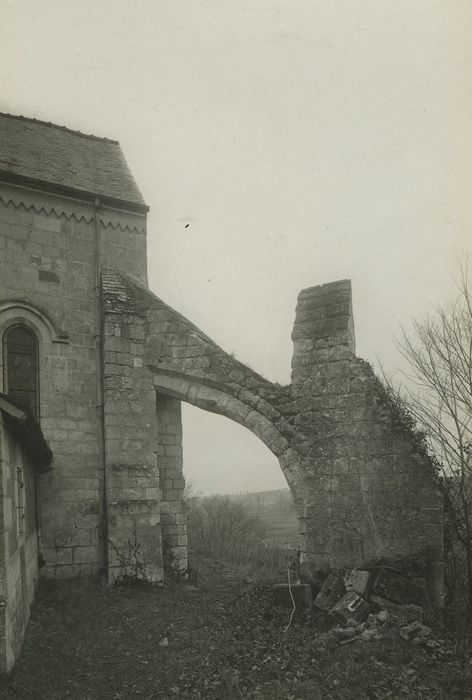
(172, 389)
(215, 397)
(362, 486)
(150, 347)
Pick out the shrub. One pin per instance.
(221, 528)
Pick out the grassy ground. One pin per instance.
(225, 640)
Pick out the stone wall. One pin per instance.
(172, 507)
(48, 281)
(18, 545)
(131, 446)
(362, 486)
(370, 491)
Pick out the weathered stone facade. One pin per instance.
(53, 241)
(115, 363)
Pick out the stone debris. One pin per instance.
(370, 629)
(343, 633)
(382, 616)
(417, 632)
(330, 592)
(408, 612)
(365, 604)
(399, 589)
(350, 610)
(358, 581)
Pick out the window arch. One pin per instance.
(21, 367)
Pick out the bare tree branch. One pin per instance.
(438, 394)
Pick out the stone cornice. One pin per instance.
(47, 204)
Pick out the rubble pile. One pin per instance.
(363, 604)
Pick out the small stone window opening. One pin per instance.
(20, 368)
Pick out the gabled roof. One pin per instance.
(35, 152)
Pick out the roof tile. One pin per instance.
(54, 154)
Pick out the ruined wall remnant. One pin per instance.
(362, 487)
(369, 491)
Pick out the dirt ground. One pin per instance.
(215, 636)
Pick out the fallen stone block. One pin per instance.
(357, 581)
(308, 574)
(382, 616)
(330, 592)
(350, 610)
(416, 630)
(371, 621)
(367, 634)
(408, 568)
(408, 612)
(399, 589)
(342, 633)
(301, 592)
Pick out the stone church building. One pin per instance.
(94, 368)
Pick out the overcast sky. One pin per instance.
(302, 141)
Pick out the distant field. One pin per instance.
(277, 512)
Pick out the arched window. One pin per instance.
(20, 367)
